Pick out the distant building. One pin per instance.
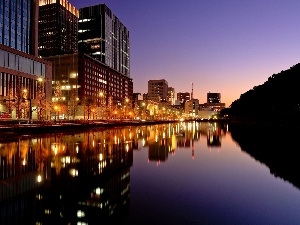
(212, 107)
(158, 90)
(213, 97)
(58, 28)
(191, 107)
(183, 96)
(104, 37)
(136, 97)
(171, 95)
(145, 96)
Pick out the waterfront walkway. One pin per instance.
(34, 127)
(43, 127)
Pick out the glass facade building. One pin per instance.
(102, 35)
(20, 71)
(17, 25)
(20, 67)
(58, 28)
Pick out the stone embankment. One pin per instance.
(46, 127)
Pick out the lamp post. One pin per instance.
(126, 106)
(101, 95)
(41, 98)
(56, 110)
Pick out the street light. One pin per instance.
(101, 95)
(56, 111)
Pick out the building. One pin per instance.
(58, 28)
(171, 95)
(103, 36)
(213, 97)
(18, 25)
(24, 77)
(183, 96)
(82, 77)
(158, 90)
(212, 107)
(191, 107)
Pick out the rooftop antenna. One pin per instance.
(192, 91)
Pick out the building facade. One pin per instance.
(20, 73)
(158, 90)
(171, 95)
(213, 97)
(25, 78)
(58, 28)
(212, 107)
(103, 36)
(18, 25)
(191, 107)
(80, 77)
(183, 96)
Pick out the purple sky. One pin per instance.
(220, 46)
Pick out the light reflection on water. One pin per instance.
(183, 173)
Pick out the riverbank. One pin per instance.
(45, 127)
(25, 127)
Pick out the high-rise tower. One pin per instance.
(18, 25)
(58, 28)
(102, 35)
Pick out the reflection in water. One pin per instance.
(273, 147)
(84, 178)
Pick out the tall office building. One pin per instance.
(58, 28)
(102, 35)
(18, 25)
(158, 90)
(20, 67)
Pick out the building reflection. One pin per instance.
(65, 178)
(162, 140)
(82, 178)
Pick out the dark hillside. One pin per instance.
(277, 100)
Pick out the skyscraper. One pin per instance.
(102, 35)
(18, 25)
(58, 28)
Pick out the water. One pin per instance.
(185, 173)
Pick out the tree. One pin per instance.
(59, 106)
(89, 105)
(73, 103)
(41, 101)
(10, 101)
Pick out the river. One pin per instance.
(176, 173)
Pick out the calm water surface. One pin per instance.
(185, 173)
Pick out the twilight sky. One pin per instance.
(220, 46)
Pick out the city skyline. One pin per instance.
(219, 47)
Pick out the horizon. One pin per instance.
(225, 47)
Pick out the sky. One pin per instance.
(220, 46)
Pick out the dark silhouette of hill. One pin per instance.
(275, 101)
